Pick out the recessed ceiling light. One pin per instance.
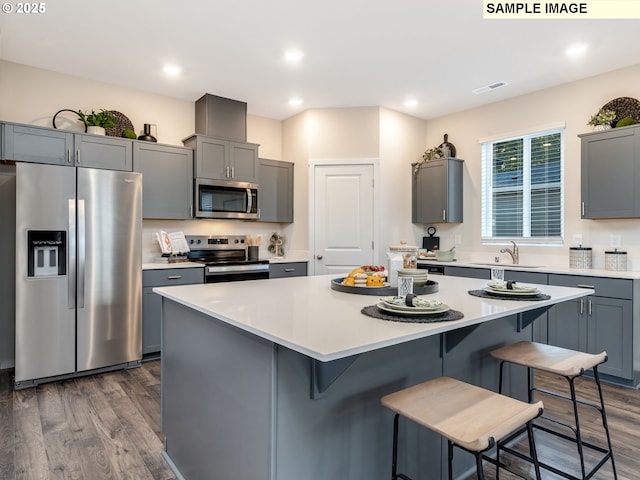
(295, 101)
(172, 70)
(576, 49)
(410, 103)
(293, 56)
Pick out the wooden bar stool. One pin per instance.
(469, 417)
(570, 365)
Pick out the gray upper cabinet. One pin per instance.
(24, 143)
(437, 192)
(610, 175)
(220, 159)
(167, 180)
(276, 191)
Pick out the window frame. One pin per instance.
(486, 144)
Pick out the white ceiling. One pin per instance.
(357, 53)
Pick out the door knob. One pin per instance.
(319, 257)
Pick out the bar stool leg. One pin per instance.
(605, 424)
(479, 468)
(578, 434)
(450, 458)
(394, 460)
(532, 451)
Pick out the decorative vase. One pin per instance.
(599, 128)
(96, 130)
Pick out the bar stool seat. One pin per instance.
(569, 364)
(469, 417)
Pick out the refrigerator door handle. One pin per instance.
(71, 255)
(81, 253)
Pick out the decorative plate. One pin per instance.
(122, 123)
(624, 107)
(412, 313)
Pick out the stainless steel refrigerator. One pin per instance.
(78, 271)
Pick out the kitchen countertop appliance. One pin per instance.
(226, 258)
(78, 271)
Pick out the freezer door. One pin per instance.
(45, 305)
(109, 295)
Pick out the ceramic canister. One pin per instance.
(580, 257)
(615, 260)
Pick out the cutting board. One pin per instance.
(431, 243)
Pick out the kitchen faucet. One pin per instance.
(515, 254)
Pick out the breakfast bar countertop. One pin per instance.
(307, 316)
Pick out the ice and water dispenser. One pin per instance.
(47, 253)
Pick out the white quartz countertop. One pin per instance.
(307, 316)
(591, 272)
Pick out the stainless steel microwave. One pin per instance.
(226, 199)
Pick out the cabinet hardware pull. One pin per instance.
(78, 156)
(227, 172)
(586, 286)
(233, 172)
(444, 214)
(590, 307)
(68, 155)
(289, 270)
(581, 306)
(583, 209)
(174, 277)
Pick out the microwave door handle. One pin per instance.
(249, 200)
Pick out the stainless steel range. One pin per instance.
(226, 258)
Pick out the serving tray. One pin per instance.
(336, 284)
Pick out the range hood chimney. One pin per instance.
(221, 117)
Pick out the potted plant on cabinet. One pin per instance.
(97, 122)
(603, 119)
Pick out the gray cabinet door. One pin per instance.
(609, 329)
(567, 325)
(276, 191)
(152, 302)
(437, 192)
(36, 144)
(212, 157)
(243, 162)
(100, 151)
(470, 272)
(167, 180)
(610, 182)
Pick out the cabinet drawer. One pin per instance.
(172, 276)
(292, 269)
(604, 287)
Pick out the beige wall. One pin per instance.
(572, 103)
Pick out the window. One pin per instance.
(522, 194)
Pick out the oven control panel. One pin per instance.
(216, 242)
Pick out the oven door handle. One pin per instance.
(238, 269)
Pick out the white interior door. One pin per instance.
(343, 217)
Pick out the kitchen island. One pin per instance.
(281, 379)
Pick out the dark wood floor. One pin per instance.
(108, 427)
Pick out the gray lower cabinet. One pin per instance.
(152, 303)
(437, 192)
(276, 191)
(220, 159)
(540, 325)
(469, 272)
(288, 269)
(25, 143)
(167, 180)
(610, 180)
(600, 322)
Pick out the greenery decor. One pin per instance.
(603, 117)
(429, 154)
(623, 122)
(129, 134)
(103, 118)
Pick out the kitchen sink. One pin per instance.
(504, 265)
